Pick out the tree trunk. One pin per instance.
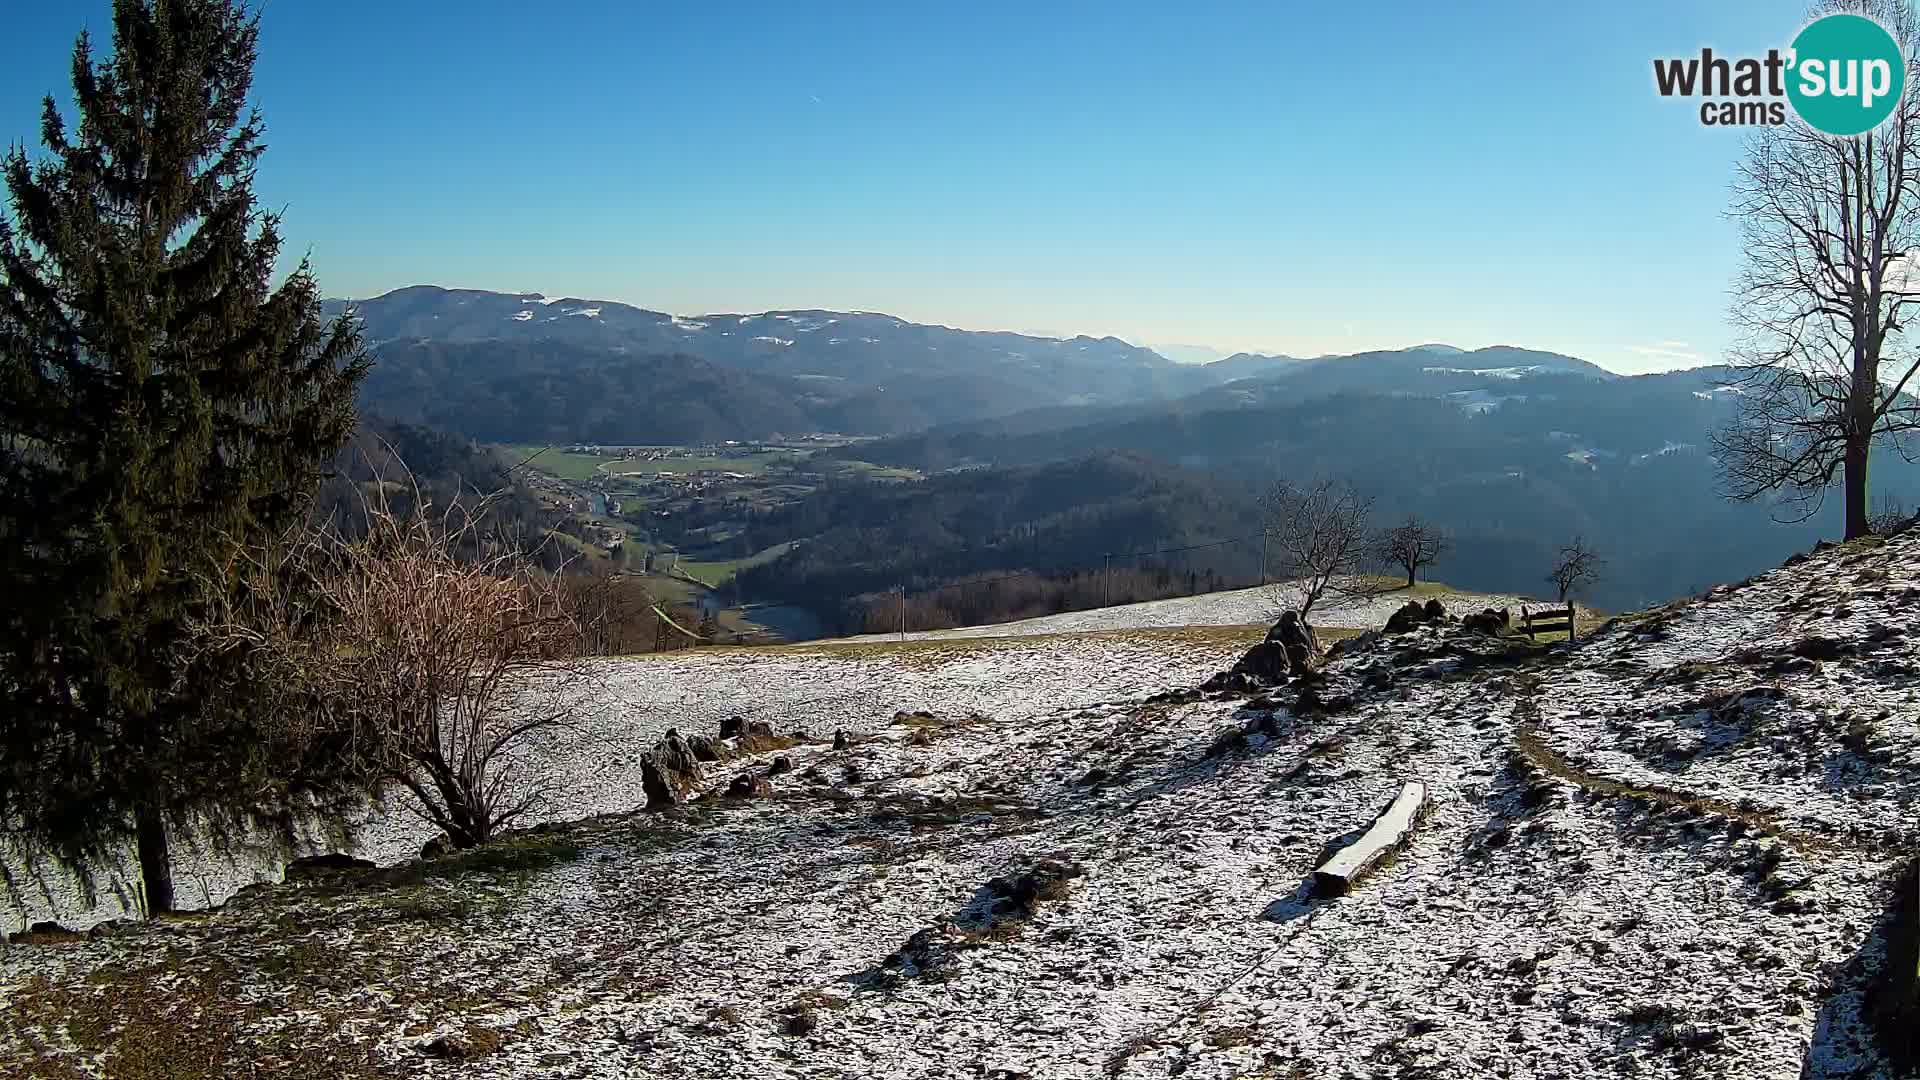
(156, 865)
(1410, 572)
(1856, 485)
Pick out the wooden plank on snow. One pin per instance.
(1336, 876)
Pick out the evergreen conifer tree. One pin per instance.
(160, 403)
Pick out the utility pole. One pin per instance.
(1106, 581)
(903, 613)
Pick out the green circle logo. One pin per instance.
(1847, 74)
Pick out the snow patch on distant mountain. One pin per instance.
(801, 323)
(1724, 388)
(1480, 401)
(1491, 373)
(1668, 450)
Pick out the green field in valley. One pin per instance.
(576, 467)
(573, 546)
(877, 472)
(716, 573)
(580, 467)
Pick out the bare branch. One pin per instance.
(1830, 228)
(423, 648)
(1319, 533)
(1411, 545)
(1577, 567)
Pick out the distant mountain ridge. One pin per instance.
(1247, 365)
(946, 373)
(527, 367)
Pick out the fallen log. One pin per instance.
(1337, 876)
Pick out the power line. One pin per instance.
(1190, 547)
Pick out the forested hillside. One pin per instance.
(1511, 485)
(1491, 416)
(864, 538)
(442, 468)
(553, 391)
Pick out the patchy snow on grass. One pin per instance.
(621, 707)
(1662, 852)
(1233, 607)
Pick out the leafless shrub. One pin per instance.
(617, 615)
(1318, 531)
(1890, 515)
(424, 650)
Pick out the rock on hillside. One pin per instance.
(1668, 851)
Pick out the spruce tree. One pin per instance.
(160, 402)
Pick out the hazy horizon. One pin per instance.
(1233, 179)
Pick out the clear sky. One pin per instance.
(1300, 178)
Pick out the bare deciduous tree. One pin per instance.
(1411, 545)
(1577, 567)
(425, 649)
(1831, 228)
(1319, 533)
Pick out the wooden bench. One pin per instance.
(1553, 620)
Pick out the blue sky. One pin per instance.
(1296, 178)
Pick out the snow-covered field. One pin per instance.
(623, 708)
(1235, 607)
(1666, 852)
